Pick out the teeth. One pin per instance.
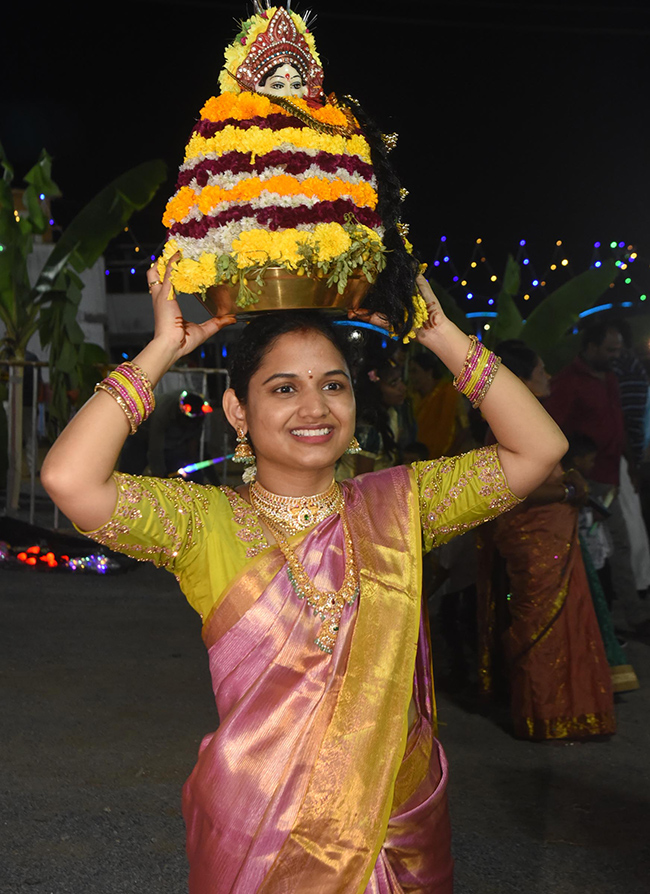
(310, 432)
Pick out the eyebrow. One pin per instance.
(331, 372)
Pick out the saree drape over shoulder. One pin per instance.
(313, 780)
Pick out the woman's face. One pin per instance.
(285, 81)
(540, 381)
(300, 410)
(392, 388)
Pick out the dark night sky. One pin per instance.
(516, 119)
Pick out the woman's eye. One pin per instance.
(334, 386)
(284, 389)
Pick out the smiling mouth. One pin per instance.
(310, 432)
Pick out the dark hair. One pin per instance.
(596, 333)
(579, 445)
(393, 290)
(429, 362)
(258, 337)
(517, 357)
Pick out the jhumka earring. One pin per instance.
(354, 446)
(243, 451)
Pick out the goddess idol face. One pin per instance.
(284, 80)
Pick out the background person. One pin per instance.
(560, 685)
(585, 399)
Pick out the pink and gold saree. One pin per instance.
(313, 780)
(310, 783)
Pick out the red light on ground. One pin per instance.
(33, 549)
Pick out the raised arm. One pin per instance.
(77, 472)
(530, 443)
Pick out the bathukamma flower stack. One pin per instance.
(270, 181)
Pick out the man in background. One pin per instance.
(585, 399)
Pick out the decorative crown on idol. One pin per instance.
(286, 197)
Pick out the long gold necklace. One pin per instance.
(295, 514)
(328, 606)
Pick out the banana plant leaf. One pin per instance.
(103, 218)
(547, 326)
(508, 322)
(450, 307)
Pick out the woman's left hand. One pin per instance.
(436, 315)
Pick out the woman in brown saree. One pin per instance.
(325, 774)
(560, 683)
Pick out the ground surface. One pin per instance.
(105, 696)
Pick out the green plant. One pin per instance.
(50, 304)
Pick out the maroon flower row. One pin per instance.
(278, 218)
(208, 129)
(294, 163)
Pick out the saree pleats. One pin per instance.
(559, 676)
(296, 789)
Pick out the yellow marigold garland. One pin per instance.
(332, 251)
(260, 141)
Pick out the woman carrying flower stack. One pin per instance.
(324, 775)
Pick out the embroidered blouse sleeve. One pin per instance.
(156, 519)
(458, 493)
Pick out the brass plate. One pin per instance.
(283, 290)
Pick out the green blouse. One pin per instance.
(206, 535)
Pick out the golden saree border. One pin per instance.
(240, 595)
(602, 723)
(342, 822)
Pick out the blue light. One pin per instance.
(470, 295)
(446, 259)
(535, 282)
(621, 245)
(443, 238)
(132, 270)
(626, 304)
(596, 244)
(359, 325)
(491, 301)
(436, 263)
(107, 272)
(42, 196)
(456, 278)
(384, 344)
(598, 264)
(125, 355)
(224, 352)
(526, 262)
(522, 242)
(595, 310)
(481, 313)
(153, 257)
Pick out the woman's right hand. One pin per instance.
(170, 327)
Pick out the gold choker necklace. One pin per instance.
(295, 514)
